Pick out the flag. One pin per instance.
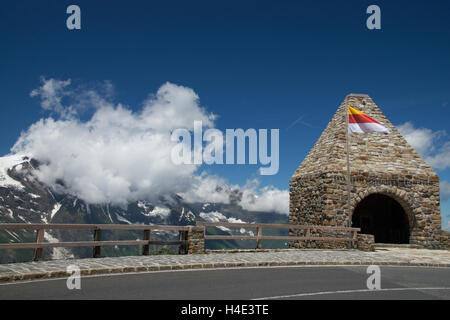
(359, 122)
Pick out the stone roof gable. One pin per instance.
(371, 153)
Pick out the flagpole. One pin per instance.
(348, 168)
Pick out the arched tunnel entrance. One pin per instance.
(383, 217)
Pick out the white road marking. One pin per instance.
(347, 291)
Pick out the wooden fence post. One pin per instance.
(183, 236)
(308, 236)
(308, 233)
(355, 239)
(146, 247)
(96, 252)
(39, 239)
(259, 235)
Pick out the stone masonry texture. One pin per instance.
(445, 240)
(380, 164)
(366, 242)
(196, 239)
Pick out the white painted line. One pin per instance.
(347, 291)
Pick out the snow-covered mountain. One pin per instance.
(24, 199)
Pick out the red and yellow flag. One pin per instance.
(359, 122)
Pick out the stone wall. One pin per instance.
(322, 200)
(366, 242)
(321, 244)
(196, 239)
(445, 240)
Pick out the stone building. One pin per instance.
(394, 193)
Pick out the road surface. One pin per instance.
(314, 282)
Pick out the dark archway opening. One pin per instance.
(383, 217)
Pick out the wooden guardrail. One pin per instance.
(182, 242)
(97, 243)
(259, 236)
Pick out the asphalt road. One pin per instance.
(337, 282)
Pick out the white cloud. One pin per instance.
(67, 101)
(51, 93)
(421, 139)
(267, 198)
(250, 197)
(119, 155)
(446, 227)
(445, 190)
(209, 189)
(428, 144)
(175, 107)
(441, 159)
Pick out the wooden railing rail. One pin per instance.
(97, 242)
(259, 235)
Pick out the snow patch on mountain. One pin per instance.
(160, 211)
(234, 220)
(122, 219)
(10, 213)
(8, 162)
(189, 216)
(152, 211)
(13, 235)
(107, 213)
(143, 205)
(58, 253)
(213, 216)
(216, 216)
(55, 210)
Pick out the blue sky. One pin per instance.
(256, 64)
